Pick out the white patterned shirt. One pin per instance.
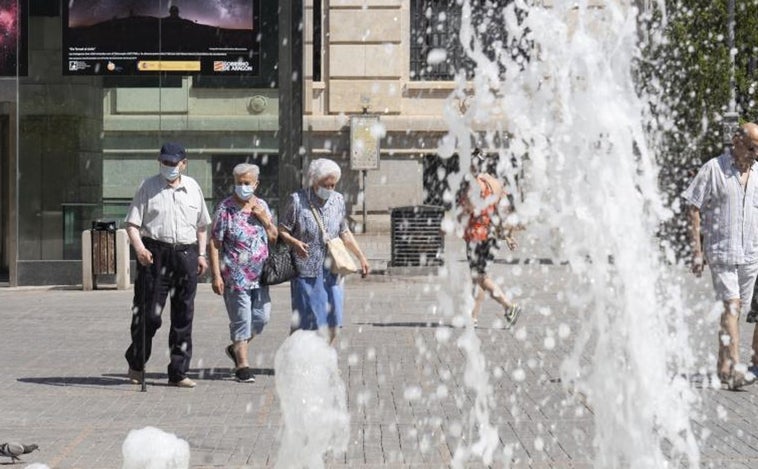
(728, 212)
(298, 219)
(169, 214)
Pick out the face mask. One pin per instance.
(170, 172)
(323, 193)
(244, 192)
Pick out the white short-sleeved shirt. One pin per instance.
(169, 214)
(729, 212)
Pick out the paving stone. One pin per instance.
(64, 383)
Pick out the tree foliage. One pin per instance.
(692, 65)
(686, 64)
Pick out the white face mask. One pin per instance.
(170, 172)
(244, 192)
(323, 193)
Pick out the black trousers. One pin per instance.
(174, 272)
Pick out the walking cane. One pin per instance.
(143, 281)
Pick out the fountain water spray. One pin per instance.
(313, 401)
(572, 120)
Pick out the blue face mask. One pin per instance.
(323, 193)
(170, 172)
(244, 192)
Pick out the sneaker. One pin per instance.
(230, 353)
(511, 315)
(183, 383)
(244, 375)
(135, 377)
(736, 380)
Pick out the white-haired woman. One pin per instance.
(317, 294)
(242, 231)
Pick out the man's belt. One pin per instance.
(165, 245)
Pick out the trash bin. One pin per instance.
(417, 239)
(103, 249)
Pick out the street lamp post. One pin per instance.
(731, 121)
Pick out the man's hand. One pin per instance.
(144, 257)
(697, 263)
(202, 265)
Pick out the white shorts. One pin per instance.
(732, 282)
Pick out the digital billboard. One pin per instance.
(13, 38)
(142, 37)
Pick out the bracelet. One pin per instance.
(203, 255)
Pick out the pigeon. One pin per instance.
(14, 450)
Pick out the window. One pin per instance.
(435, 24)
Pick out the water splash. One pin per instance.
(571, 119)
(313, 401)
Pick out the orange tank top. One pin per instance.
(478, 227)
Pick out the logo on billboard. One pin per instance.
(74, 65)
(238, 66)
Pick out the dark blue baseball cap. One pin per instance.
(172, 152)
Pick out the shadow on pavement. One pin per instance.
(403, 324)
(106, 380)
(219, 374)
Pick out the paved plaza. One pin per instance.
(63, 384)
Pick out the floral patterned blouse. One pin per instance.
(244, 244)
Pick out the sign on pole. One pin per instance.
(365, 134)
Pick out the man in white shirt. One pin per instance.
(723, 200)
(166, 224)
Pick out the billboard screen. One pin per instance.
(13, 38)
(137, 37)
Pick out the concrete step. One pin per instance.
(374, 223)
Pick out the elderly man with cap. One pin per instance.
(166, 224)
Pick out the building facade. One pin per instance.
(73, 148)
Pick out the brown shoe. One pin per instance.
(135, 377)
(183, 383)
(736, 380)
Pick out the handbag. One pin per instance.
(339, 261)
(279, 267)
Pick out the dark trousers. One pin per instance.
(174, 271)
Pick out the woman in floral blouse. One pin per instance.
(242, 231)
(317, 293)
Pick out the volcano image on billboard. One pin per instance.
(12, 38)
(208, 37)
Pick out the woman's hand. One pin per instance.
(511, 242)
(218, 285)
(260, 212)
(365, 269)
(301, 248)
